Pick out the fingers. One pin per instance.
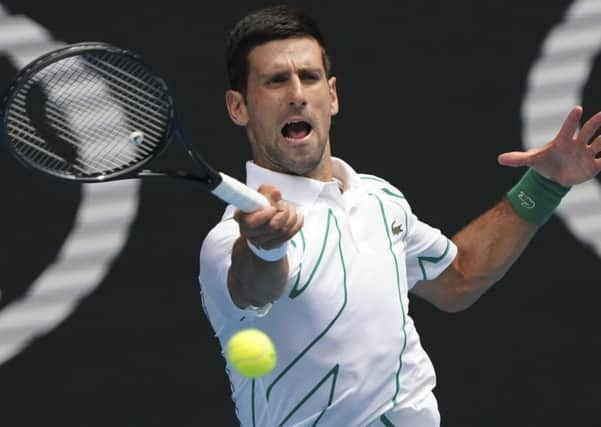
(514, 159)
(255, 219)
(589, 128)
(517, 158)
(596, 146)
(272, 193)
(283, 226)
(570, 124)
(271, 226)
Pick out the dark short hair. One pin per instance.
(262, 26)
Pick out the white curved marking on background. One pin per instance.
(98, 236)
(555, 85)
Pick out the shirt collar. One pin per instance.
(299, 189)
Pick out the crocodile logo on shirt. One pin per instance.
(396, 229)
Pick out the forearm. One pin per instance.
(253, 281)
(487, 248)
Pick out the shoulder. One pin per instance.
(382, 187)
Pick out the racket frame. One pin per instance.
(209, 177)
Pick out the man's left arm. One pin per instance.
(489, 245)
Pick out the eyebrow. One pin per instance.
(287, 72)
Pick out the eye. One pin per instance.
(310, 76)
(278, 78)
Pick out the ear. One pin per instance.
(333, 96)
(236, 107)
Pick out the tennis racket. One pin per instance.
(92, 112)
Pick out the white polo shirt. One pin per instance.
(348, 353)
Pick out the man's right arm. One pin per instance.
(251, 279)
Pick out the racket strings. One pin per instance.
(71, 130)
(128, 90)
(57, 112)
(146, 107)
(92, 106)
(127, 73)
(88, 110)
(53, 161)
(32, 143)
(33, 146)
(62, 129)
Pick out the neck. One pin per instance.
(323, 171)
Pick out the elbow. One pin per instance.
(458, 287)
(466, 285)
(463, 295)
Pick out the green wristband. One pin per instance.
(535, 197)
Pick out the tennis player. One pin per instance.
(326, 270)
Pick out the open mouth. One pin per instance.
(297, 129)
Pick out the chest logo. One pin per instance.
(396, 229)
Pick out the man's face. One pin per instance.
(288, 107)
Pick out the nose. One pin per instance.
(297, 93)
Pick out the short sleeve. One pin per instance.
(428, 251)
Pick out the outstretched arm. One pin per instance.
(489, 245)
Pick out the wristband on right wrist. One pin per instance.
(534, 197)
(270, 255)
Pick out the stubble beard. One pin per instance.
(298, 165)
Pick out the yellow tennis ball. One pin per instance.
(251, 353)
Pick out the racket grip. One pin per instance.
(234, 192)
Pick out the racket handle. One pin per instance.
(234, 192)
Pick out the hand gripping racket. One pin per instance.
(92, 112)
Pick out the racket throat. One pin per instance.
(209, 181)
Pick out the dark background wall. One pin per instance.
(430, 94)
